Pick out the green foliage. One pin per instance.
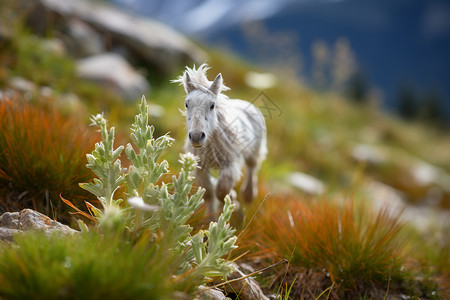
(42, 65)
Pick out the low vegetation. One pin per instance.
(147, 234)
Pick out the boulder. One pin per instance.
(114, 73)
(28, 219)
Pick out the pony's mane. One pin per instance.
(198, 78)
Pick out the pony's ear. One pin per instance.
(216, 86)
(188, 85)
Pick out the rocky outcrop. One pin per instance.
(147, 41)
(28, 219)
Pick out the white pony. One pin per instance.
(225, 134)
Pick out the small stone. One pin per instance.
(21, 84)
(28, 219)
(306, 183)
(46, 91)
(210, 294)
(366, 153)
(247, 289)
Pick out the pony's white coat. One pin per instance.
(224, 133)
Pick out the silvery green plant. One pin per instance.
(152, 206)
(104, 162)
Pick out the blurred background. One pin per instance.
(397, 49)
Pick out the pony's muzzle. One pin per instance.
(197, 138)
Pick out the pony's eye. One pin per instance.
(212, 106)
(185, 104)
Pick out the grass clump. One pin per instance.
(350, 247)
(82, 266)
(41, 156)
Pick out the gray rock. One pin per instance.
(423, 217)
(210, 294)
(154, 43)
(306, 183)
(70, 102)
(28, 219)
(426, 174)
(367, 153)
(46, 91)
(115, 73)
(22, 85)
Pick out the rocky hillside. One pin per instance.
(109, 46)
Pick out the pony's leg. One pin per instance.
(249, 188)
(203, 179)
(225, 183)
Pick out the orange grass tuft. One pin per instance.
(42, 155)
(354, 246)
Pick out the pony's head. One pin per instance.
(202, 103)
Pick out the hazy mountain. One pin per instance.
(396, 42)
